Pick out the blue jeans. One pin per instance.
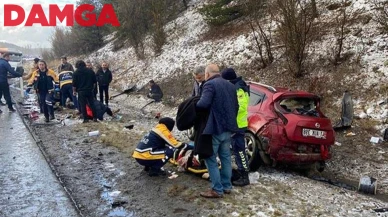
(221, 179)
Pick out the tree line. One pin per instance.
(293, 24)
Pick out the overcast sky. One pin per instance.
(35, 36)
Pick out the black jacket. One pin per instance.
(104, 78)
(188, 116)
(155, 93)
(84, 79)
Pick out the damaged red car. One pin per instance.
(287, 126)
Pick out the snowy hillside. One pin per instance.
(185, 49)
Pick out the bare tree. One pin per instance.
(381, 17)
(296, 22)
(346, 15)
(257, 12)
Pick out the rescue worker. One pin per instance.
(155, 91)
(157, 147)
(238, 142)
(33, 68)
(43, 80)
(65, 66)
(28, 77)
(5, 67)
(66, 86)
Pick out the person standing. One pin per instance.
(65, 66)
(84, 81)
(5, 67)
(238, 141)
(90, 66)
(104, 77)
(199, 77)
(43, 80)
(219, 97)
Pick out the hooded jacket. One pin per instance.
(153, 144)
(243, 101)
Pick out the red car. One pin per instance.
(287, 126)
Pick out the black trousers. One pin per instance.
(4, 91)
(86, 98)
(95, 91)
(104, 89)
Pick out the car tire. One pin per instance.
(252, 145)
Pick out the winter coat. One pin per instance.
(65, 67)
(188, 116)
(5, 67)
(155, 93)
(43, 81)
(153, 144)
(65, 77)
(219, 96)
(197, 88)
(243, 101)
(104, 78)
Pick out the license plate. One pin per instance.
(314, 133)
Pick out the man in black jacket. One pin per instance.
(104, 77)
(84, 81)
(155, 91)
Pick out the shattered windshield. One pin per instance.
(302, 106)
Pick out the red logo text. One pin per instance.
(84, 15)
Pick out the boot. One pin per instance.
(243, 180)
(156, 172)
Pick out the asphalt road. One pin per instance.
(27, 185)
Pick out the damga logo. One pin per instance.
(84, 15)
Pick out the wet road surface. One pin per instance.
(27, 185)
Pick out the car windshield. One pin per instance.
(298, 105)
(15, 58)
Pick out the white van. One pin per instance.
(16, 59)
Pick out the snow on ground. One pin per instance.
(185, 50)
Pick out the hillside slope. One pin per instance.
(364, 74)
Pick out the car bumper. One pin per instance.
(300, 157)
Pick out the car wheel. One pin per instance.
(252, 149)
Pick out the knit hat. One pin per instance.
(169, 122)
(228, 74)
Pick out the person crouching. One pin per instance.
(157, 147)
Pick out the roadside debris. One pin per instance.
(337, 144)
(385, 138)
(350, 134)
(367, 185)
(346, 113)
(375, 140)
(130, 127)
(94, 133)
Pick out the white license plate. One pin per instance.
(314, 133)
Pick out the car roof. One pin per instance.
(270, 90)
